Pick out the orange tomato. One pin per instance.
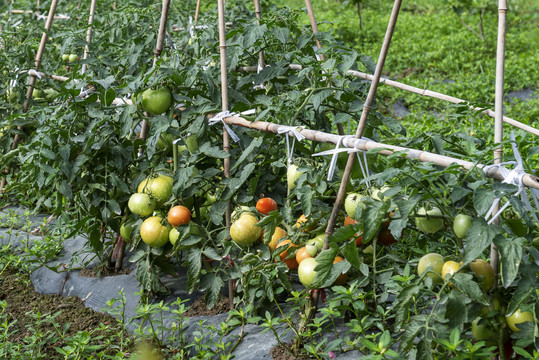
(179, 215)
(351, 221)
(266, 205)
(302, 254)
(341, 280)
(291, 263)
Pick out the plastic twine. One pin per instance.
(513, 177)
(335, 153)
(32, 72)
(220, 118)
(291, 130)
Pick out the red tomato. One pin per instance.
(266, 205)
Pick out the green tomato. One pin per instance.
(518, 317)
(244, 231)
(433, 261)
(173, 236)
(292, 175)
(306, 271)
(65, 57)
(482, 331)
(461, 224)
(191, 143)
(484, 273)
(156, 101)
(72, 58)
(429, 221)
(352, 201)
(159, 187)
(126, 229)
(153, 232)
(141, 204)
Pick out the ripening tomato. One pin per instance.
(341, 280)
(306, 271)
(433, 261)
(153, 232)
(302, 254)
(179, 215)
(244, 231)
(518, 317)
(291, 263)
(266, 205)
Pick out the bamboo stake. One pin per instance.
(423, 92)
(88, 34)
(32, 80)
(14, 11)
(158, 49)
(197, 11)
(498, 110)
(258, 14)
(530, 181)
(314, 25)
(224, 107)
(363, 119)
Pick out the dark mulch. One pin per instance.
(102, 271)
(199, 308)
(280, 353)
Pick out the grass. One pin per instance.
(432, 49)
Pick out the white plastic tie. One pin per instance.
(220, 118)
(191, 27)
(513, 177)
(315, 54)
(32, 72)
(291, 130)
(41, 16)
(63, 16)
(248, 112)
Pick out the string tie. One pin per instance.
(32, 72)
(513, 177)
(291, 131)
(220, 118)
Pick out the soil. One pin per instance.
(198, 308)
(24, 305)
(280, 353)
(98, 272)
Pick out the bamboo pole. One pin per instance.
(57, 17)
(224, 107)
(32, 80)
(197, 11)
(158, 49)
(314, 25)
(363, 119)
(258, 14)
(498, 110)
(88, 34)
(530, 181)
(419, 91)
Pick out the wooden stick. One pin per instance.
(37, 13)
(423, 92)
(197, 11)
(498, 109)
(158, 49)
(224, 107)
(531, 181)
(314, 25)
(258, 14)
(363, 119)
(88, 34)
(32, 80)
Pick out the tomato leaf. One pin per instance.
(194, 265)
(510, 257)
(404, 209)
(522, 292)
(351, 254)
(213, 151)
(336, 270)
(372, 217)
(411, 332)
(212, 284)
(456, 311)
(466, 284)
(348, 60)
(402, 307)
(482, 200)
(324, 266)
(478, 237)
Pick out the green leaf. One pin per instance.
(212, 284)
(194, 265)
(456, 311)
(466, 284)
(510, 251)
(213, 151)
(324, 266)
(319, 96)
(523, 291)
(372, 217)
(404, 209)
(348, 60)
(479, 236)
(402, 307)
(281, 34)
(368, 62)
(351, 254)
(482, 200)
